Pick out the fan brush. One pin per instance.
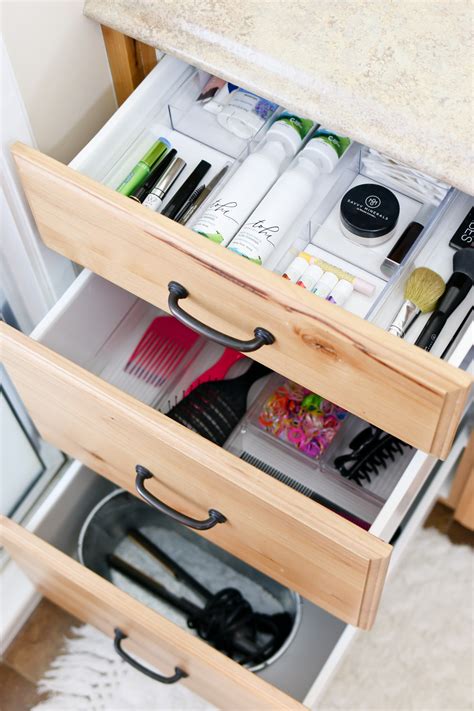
(423, 289)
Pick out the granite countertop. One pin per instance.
(395, 75)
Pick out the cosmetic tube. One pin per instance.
(245, 113)
(181, 197)
(199, 196)
(297, 267)
(325, 285)
(341, 293)
(275, 215)
(140, 193)
(154, 199)
(258, 172)
(406, 241)
(143, 168)
(310, 277)
(308, 256)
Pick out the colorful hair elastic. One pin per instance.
(304, 420)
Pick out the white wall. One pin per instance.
(60, 64)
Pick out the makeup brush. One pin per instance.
(423, 288)
(458, 287)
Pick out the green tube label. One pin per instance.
(339, 143)
(301, 125)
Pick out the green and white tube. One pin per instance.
(229, 210)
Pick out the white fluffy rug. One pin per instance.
(419, 654)
(90, 676)
(418, 657)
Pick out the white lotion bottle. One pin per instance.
(258, 172)
(276, 213)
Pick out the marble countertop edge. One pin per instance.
(416, 137)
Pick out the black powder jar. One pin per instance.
(369, 214)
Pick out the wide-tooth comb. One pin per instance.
(219, 370)
(158, 354)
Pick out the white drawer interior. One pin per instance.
(321, 642)
(291, 673)
(95, 325)
(163, 105)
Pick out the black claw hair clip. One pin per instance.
(372, 450)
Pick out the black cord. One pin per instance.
(229, 623)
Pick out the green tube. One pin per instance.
(144, 167)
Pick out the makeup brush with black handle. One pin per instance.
(457, 288)
(423, 289)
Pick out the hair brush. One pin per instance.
(214, 408)
(423, 289)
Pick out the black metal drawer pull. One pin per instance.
(215, 517)
(178, 291)
(178, 673)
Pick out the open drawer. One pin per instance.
(152, 637)
(46, 557)
(295, 540)
(352, 362)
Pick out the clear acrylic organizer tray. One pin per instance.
(286, 463)
(153, 371)
(189, 117)
(319, 225)
(380, 469)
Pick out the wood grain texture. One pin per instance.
(96, 601)
(463, 472)
(373, 374)
(146, 57)
(301, 544)
(461, 497)
(125, 64)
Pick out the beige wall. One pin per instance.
(60, 64)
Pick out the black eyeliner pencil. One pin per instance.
(187, 205)
(181, 197)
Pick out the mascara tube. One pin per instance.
(143, 168)
(190, 207)
(154, 199)
(140, 193)
(181, 197)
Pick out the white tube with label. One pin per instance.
(341, 293)
(276, 213)
(245, 113)
(325, 285)
(244, 190)
(295, 269)
(310, 277)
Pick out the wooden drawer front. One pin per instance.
(301, 544)
(385, 380)
(95, 600)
